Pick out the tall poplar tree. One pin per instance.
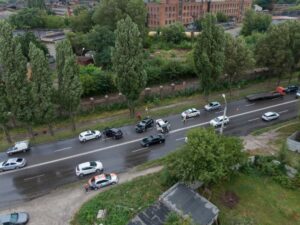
(4, 111)
(42, 88)
(209, 54)
(127, 58)
(239, 59)
(71, 89)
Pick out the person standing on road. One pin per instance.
(184, 119)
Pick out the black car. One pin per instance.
(113, 133)
(153, 139)
(144, 125)
(291, 89)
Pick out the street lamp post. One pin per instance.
(224, 114)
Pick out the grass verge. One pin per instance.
(261, 201)
(122, 202)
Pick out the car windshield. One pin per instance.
(14, 217)
(107, 176)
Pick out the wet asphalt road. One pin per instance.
(53, 165)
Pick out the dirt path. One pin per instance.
(58, 207)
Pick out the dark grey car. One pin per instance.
(20, 218)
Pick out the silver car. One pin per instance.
(13, 163)
(20, 218)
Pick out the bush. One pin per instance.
(95, 81)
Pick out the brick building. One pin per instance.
(165, 12)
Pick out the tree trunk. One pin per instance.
(131, 108)
(50, 128)
(30, 131)
(7, 134)
(73, 121)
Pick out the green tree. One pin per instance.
(101, 40)
(71, 89)
(40, 4)
(25, 40)
(4, 112)
(221, 17)
(273, 51)
(127, 58)
(255, 22)
(209, 54)
(42, 88)
(173, 33)
(63, 51)
(22, 102)
(207, 157)
(28, 19)
(82, 22)
(239, 59)
(109, 12)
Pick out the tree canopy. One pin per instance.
(127, 58)
(255, 22)
(209, 54)
(207, 157)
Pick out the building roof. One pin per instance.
(185, 201)
(182, 200)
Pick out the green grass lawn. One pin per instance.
(122, 202)
(261, 199)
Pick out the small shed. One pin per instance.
(182, 200)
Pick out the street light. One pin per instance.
(224, 114)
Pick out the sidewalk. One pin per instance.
(58, 207)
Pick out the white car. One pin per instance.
(13, 163)
(217, 122)
(212, 106)
(89, 135)
(190, 113)
(88, 168)
(102, 180)
(21, 146)
(268, 116)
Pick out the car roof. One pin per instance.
(25, 142)
(13, 159)
(269, 113)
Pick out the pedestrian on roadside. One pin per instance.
(86, 187)
(184, 119)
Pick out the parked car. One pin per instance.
(153, 139)
(102, 180)
(217, 122)
(144, 125)
(16, 218)
(13, 163)
(89, 135)
(21, 146)
(268, 116)
(190, 113)
(88, 168)
(212, 106)
(113, 133)
(291, 89)
(298, 94)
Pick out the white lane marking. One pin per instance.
(257, 118)
(62, 149)
(179, 139)
(284, 111)
(31, 178)
(140, 149)
(136, 140)
(250, 104)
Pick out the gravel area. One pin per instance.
(59, 206)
